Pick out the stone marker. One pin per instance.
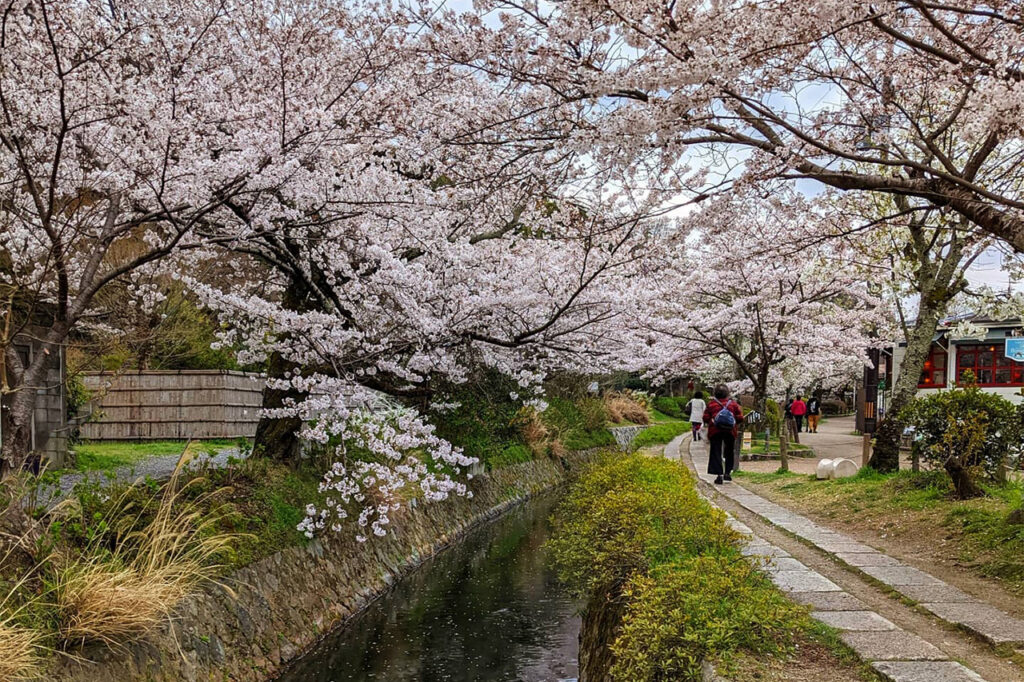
(844, 468)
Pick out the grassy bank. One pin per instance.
(109, 455)
(915, 508)
(634, 528)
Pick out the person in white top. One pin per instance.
(696, 408)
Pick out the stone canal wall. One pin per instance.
(282, 604)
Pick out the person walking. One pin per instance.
(722, 415)
(799, 409)
(696, 408)
(813, 414)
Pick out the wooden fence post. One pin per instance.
(784, 449)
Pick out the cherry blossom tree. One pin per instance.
(123, 127)
(390, 218)
(919, 260)
(436, 226)
(900, 97)
(747, 290)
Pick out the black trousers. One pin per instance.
(721, 443)
(799, 422)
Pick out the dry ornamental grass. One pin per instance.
(622, 407)
(114, 597)
(21, 652)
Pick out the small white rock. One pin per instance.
(824, 470)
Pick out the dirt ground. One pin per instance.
(810, 662)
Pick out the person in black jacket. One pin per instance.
(813, 414)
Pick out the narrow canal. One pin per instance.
(487, 609)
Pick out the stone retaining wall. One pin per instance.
(624, 435)
(284, 603)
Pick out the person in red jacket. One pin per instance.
(799, 409)
(721, 436)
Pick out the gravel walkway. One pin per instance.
(156, 468)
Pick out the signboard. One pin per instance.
(1015, 348)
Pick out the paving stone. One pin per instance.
(784, 518)
(803, 581)
(829, 601)
(896, 576)
(813, 531)
(935, 593)
(926, 671)
(843, 547)
(867, 559)
(988, 622)
(785, 564)
(893, 645)
(854, 620)
(739, 527)
(762, 549)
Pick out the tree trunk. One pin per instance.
(791, 429)
(277, 437)
(963, 483)
(886, 454)
(16, 443)
(17, 437)
(602, 620)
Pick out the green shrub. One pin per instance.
(592, 413)
(629, 513)
(489, 425)
(514, 453)
(948, 421)
(660, 433)
(484, 422)
(579, 424)
(696, 609)
(670, 405)
(686, 591)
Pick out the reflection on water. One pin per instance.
(488, 609)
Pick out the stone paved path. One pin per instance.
(895, 653)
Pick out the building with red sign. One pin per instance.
(983, 356)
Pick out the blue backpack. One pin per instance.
(724, 420)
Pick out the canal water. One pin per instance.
(488, 609)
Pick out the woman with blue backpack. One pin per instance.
(723, 415)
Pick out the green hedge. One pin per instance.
(486, 422)
(660, 433)
(689, 594)
(579, 424)
(671, 405)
